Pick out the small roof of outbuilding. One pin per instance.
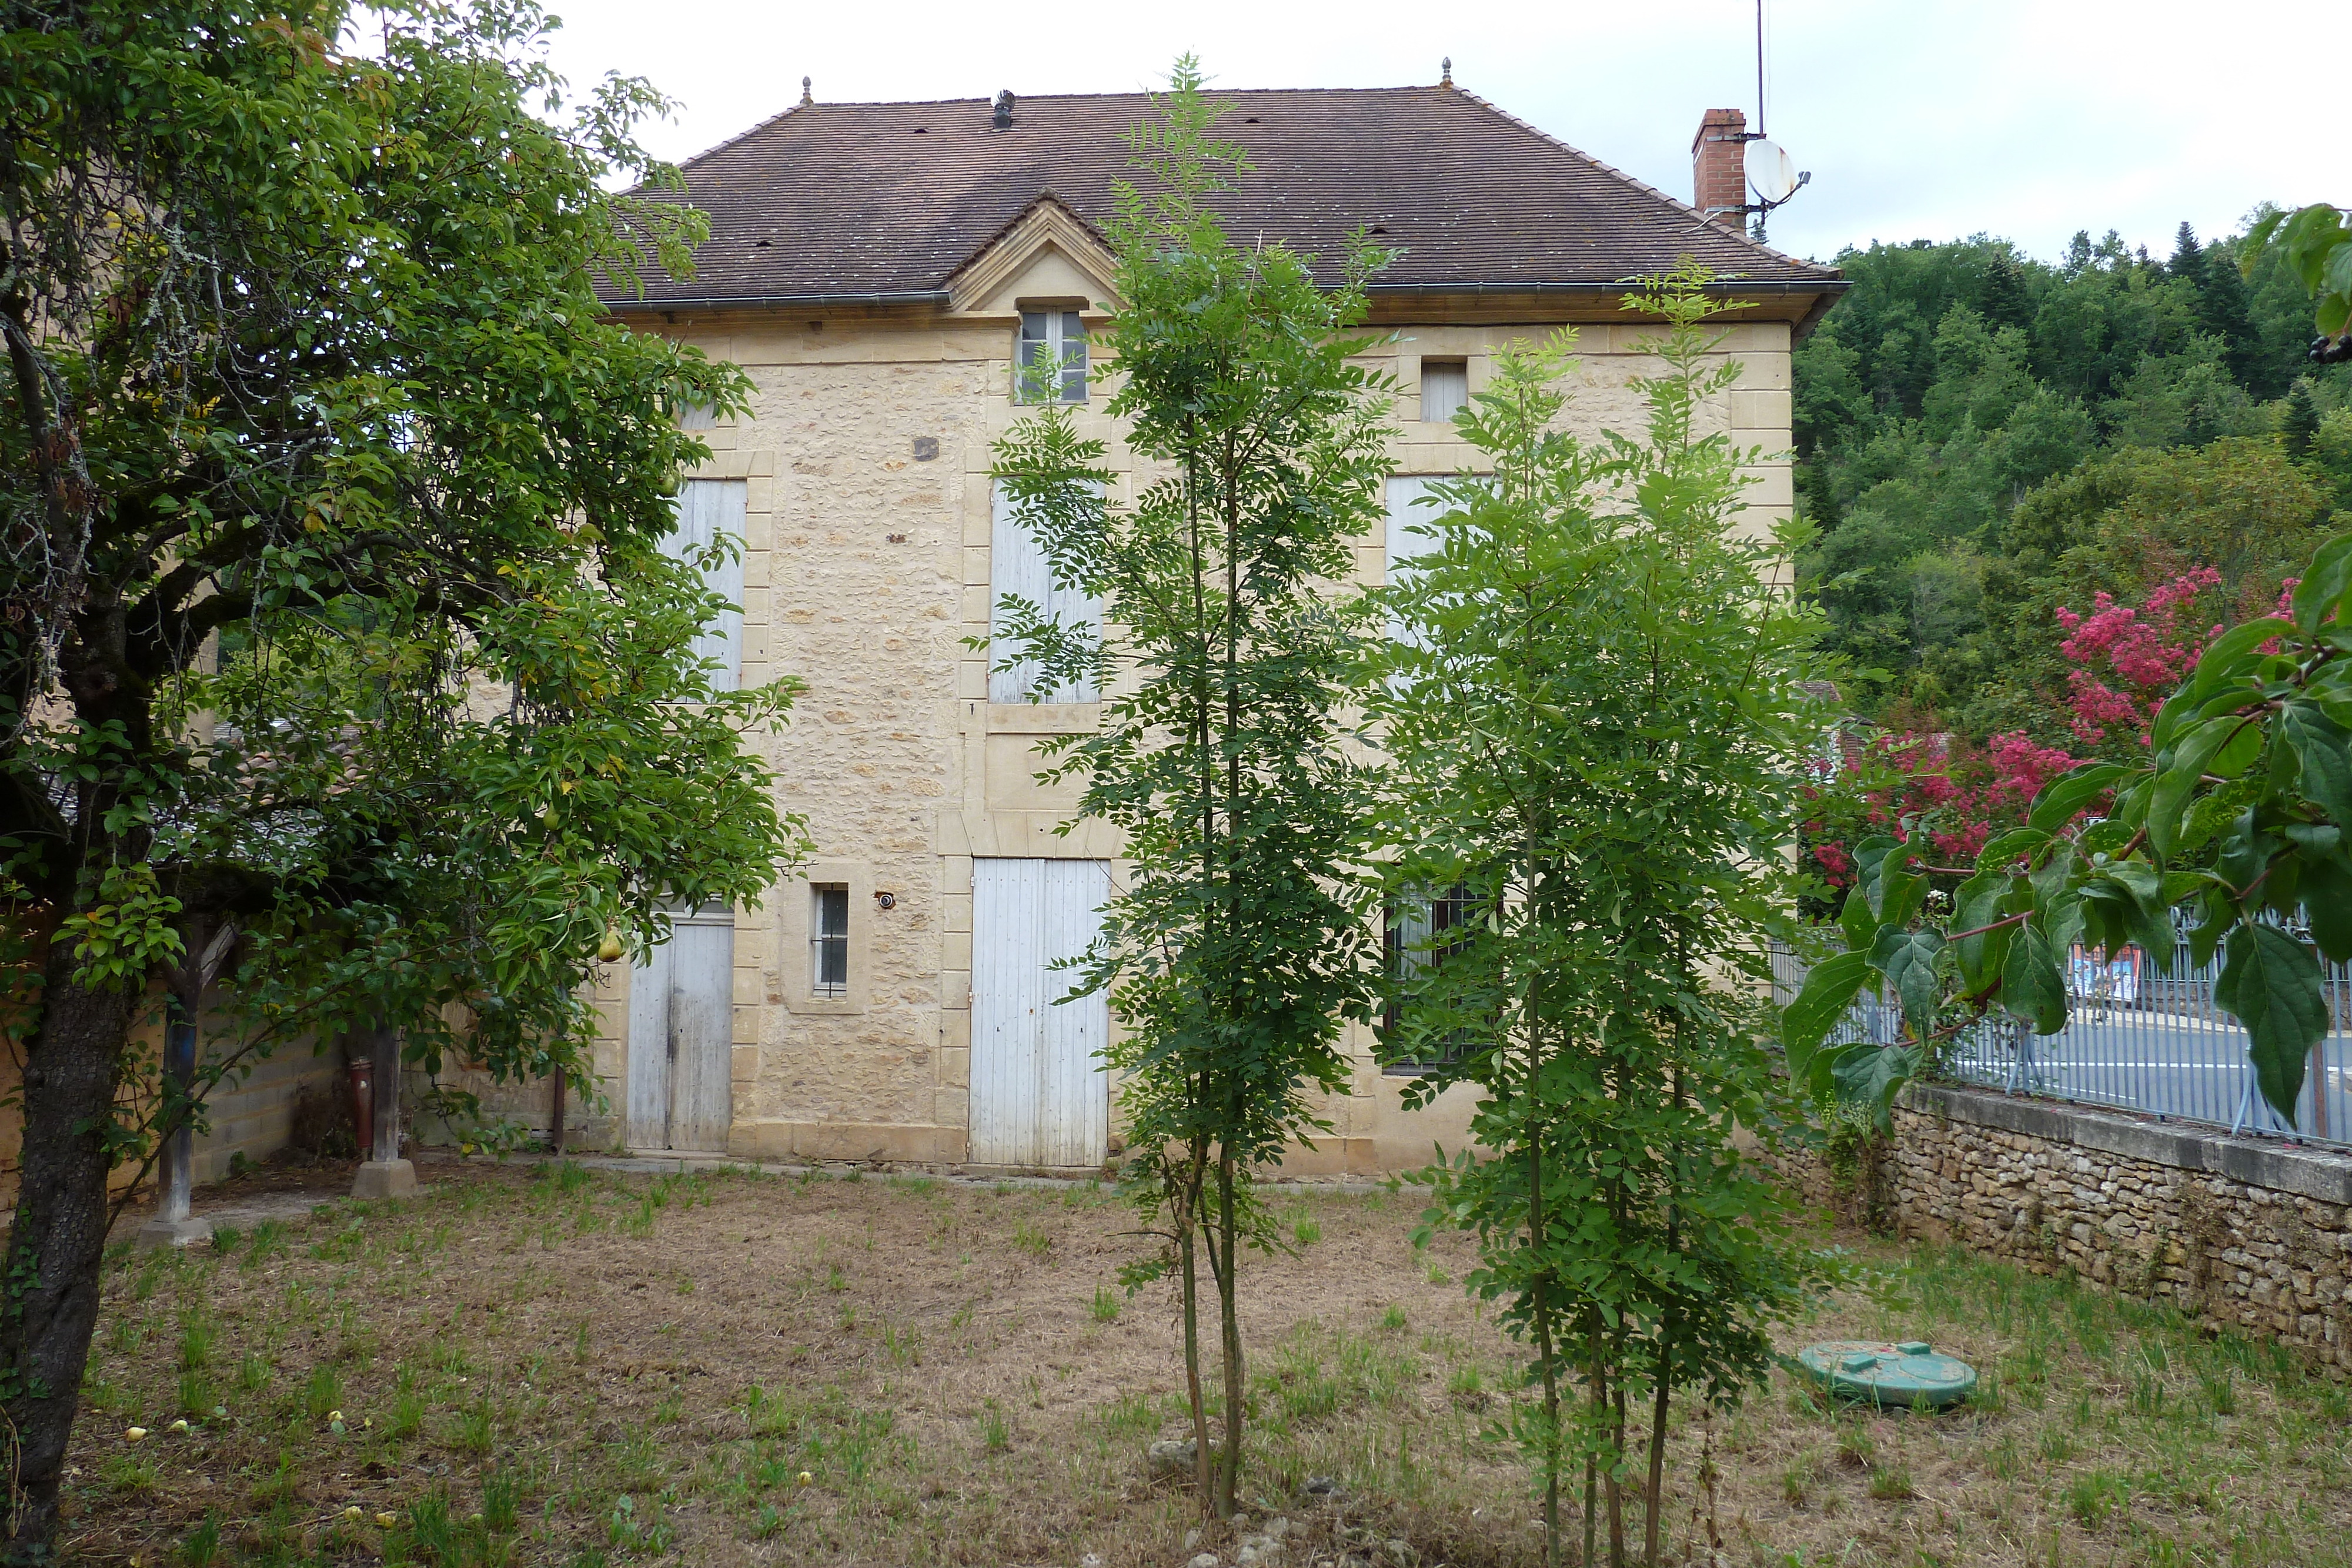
(881, 201)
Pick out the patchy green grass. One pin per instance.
(570, 1366)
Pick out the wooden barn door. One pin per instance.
(682, 1038)
(1040, 1095)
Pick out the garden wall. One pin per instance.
(2248, 1233)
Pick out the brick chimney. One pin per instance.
(1719, 168)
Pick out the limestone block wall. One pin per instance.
(2248, 1233)
(867, 529)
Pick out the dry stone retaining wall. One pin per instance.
(2250, 1234)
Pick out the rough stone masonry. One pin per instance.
(2249, 1234)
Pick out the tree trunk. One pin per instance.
(1657, 1459)
(1188, 1221)
(1229, 1463)
(1616, 1492)
(1592, 1458)
(72, 1066)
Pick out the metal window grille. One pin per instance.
(1444, 389)
(1414, 935)
(829, 939)
(1052, 365)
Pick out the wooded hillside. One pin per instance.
(1984, 439)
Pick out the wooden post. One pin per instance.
(384, 1174)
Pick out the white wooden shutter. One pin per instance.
(1444, 389)
(1017, 564)
(1405, 510)
(707, 508)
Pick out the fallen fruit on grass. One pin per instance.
(352, 1512)
(179, 1426)
(134, 1434)
(384, 1519)
(334, 1415)
(807, 1480)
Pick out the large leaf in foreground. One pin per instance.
(2269, 983)
(1829, 992)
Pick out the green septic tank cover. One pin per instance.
(1898, 1375)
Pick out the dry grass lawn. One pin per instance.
(567, 1365)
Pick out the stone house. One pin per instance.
(881, 270)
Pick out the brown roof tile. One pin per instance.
(830, 200)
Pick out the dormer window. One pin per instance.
(1052, 364)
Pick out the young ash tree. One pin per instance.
(1240, 944)
(1598, 737)
(337, 623)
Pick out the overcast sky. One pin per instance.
(1917, 118)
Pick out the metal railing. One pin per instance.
(2134, 1039)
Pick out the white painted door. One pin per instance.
(1040, 1094)
(681, 1090)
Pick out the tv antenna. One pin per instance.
(1771, 176)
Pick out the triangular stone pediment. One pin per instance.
(1047, 253)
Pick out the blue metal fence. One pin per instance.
(2134, 1039)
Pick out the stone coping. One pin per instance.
(2319, 1173)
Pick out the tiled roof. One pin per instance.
(893, 198)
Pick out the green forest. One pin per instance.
(1985, 439)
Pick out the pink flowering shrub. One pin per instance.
(1954, 796)
(1935, 786)
(2128, 659)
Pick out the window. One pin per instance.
(705, 509)
(1017, 566)
(1052, 365)
(697, 416)
(1444, 389)
(1415, 941)
(828, 939)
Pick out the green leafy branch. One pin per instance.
(2236, 820)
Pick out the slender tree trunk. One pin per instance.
(1230, 1461)
(1657, 1461)
(1600, 1379)
(1188, 1224)
(1536, 1231)
(1616, 1490)
(1665, 1348)
(72, 1066)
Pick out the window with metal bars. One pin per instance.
(829, 939)
(1414, 934)
(1052, 364)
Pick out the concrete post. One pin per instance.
(175, 1164)
(384, 1174)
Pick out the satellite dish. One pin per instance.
(1770, 172)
